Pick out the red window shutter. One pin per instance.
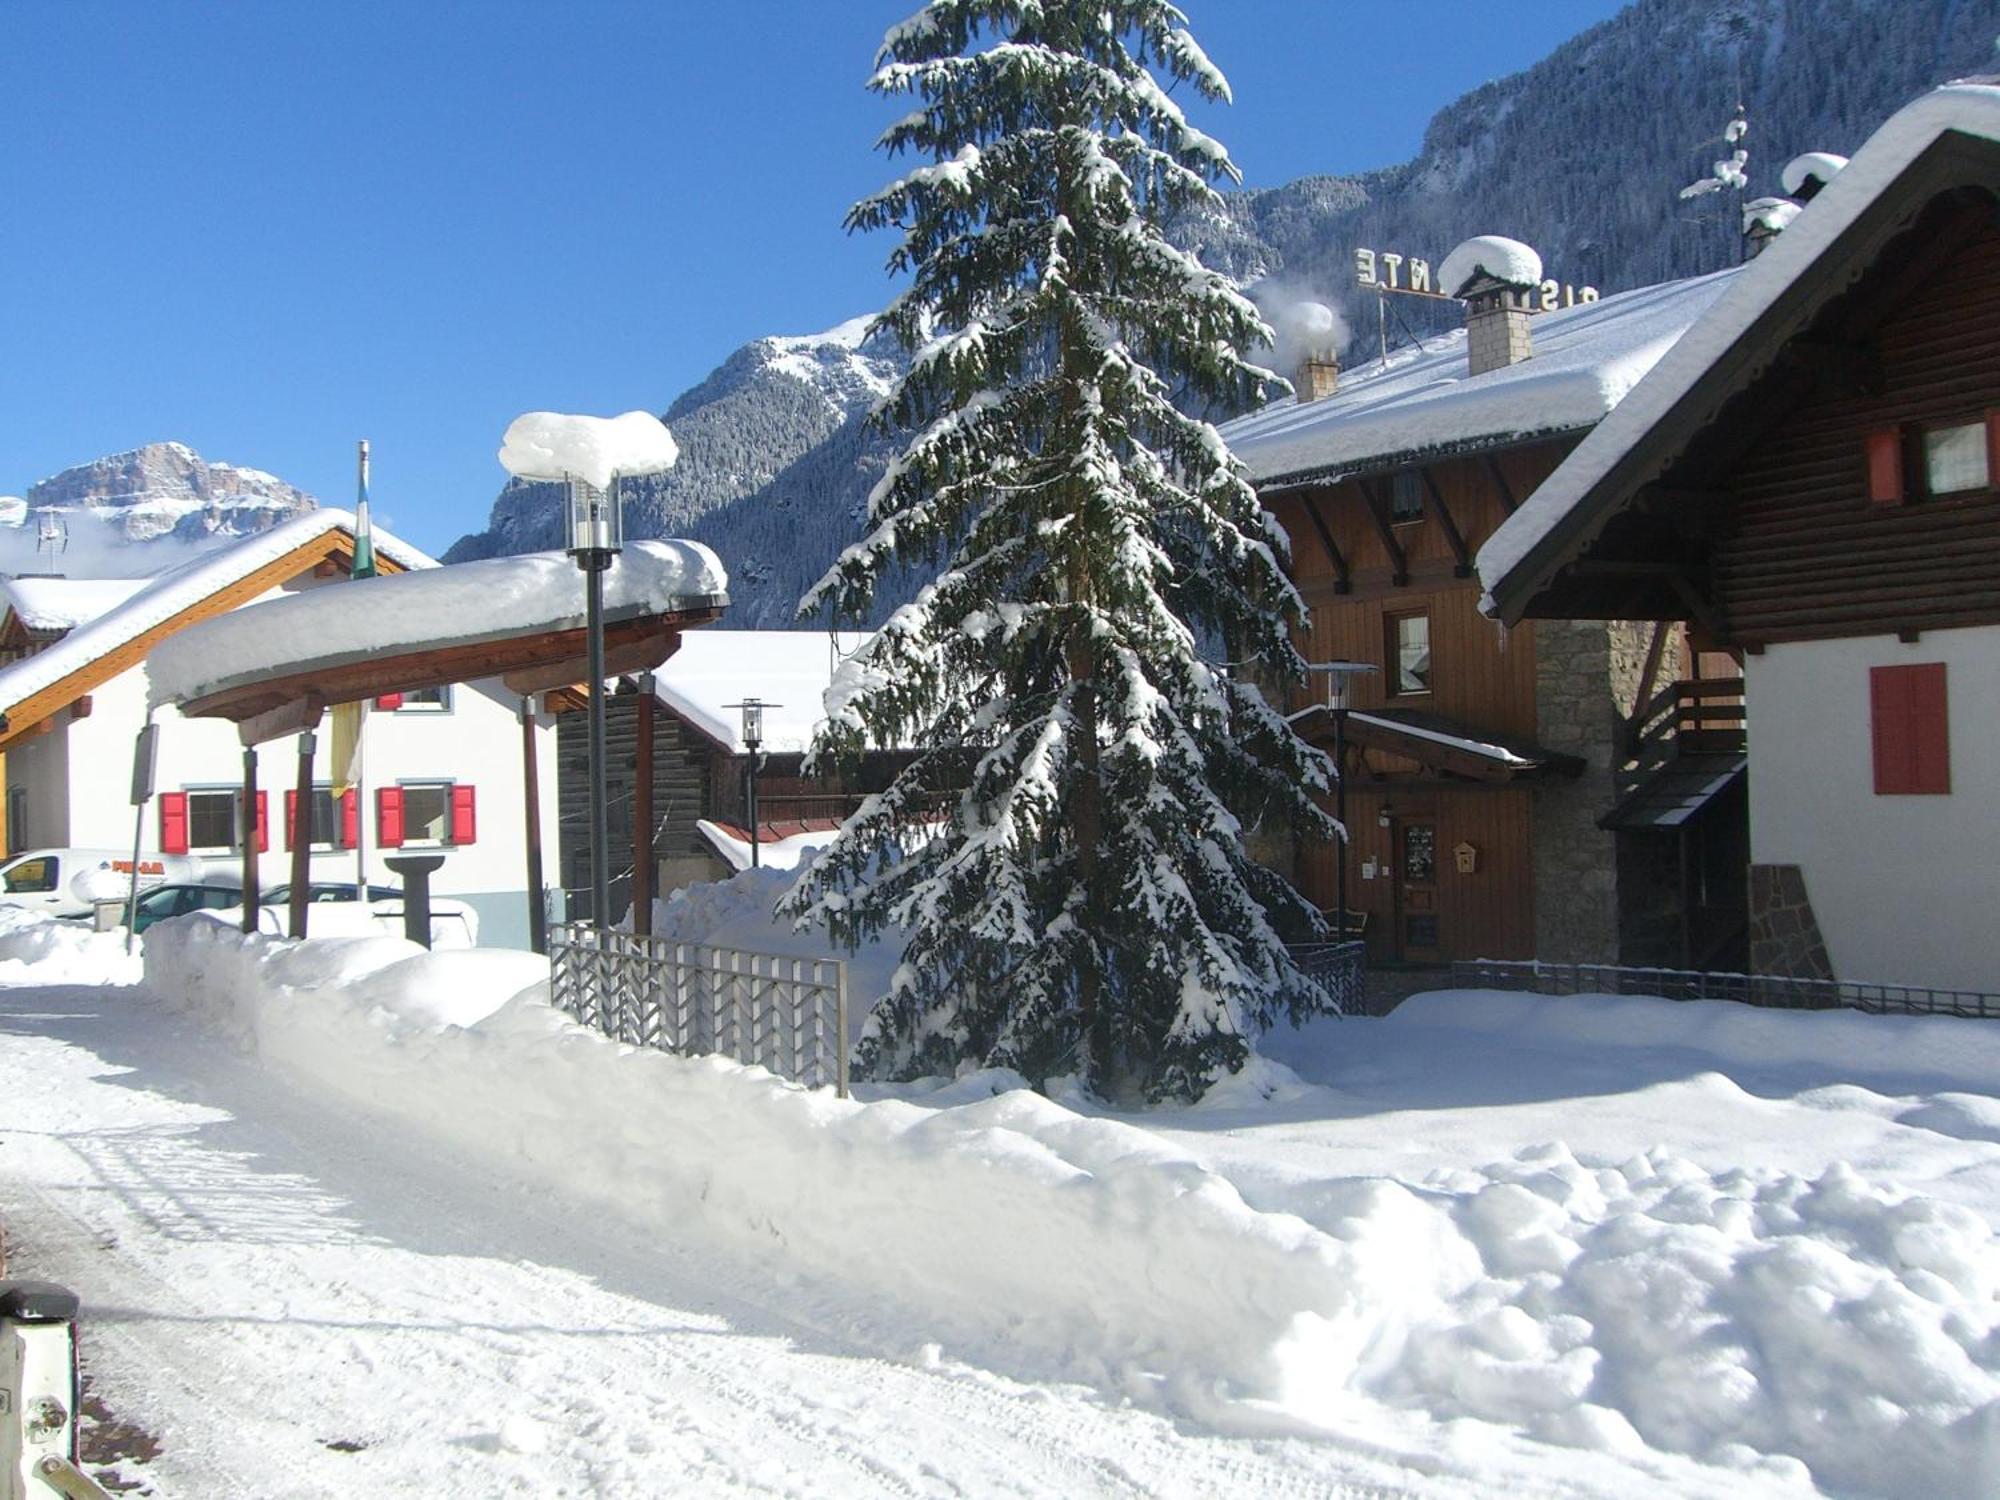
(389, 817)
(350, 818)
(1910, 726)
(292, 829)
(1885, 466)
(388, 703)
(173, 822)
(464, 815)
(263, 822)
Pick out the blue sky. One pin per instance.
(269, 229)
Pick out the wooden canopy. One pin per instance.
(268, 705)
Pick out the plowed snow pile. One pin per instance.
(1789, 1328)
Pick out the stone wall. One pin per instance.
(1586, 680)
(1784, 934)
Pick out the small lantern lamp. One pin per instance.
(595, 522)
(753, 740)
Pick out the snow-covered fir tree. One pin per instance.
(1080, 675)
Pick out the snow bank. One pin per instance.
(37, 949)
(780, 853)
(398, 613)
(1056, 1244)
(1947, 1047)
(547, 445)
(1789, 1329)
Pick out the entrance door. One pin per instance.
(1417, 938)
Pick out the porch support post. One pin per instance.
(247, 822)
(642, 815)
(531, 791)
(300, 832)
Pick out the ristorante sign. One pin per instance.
(1412, 275)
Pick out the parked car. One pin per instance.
(181, 897)
(69, 882)
(330, 890)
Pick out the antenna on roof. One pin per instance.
(51, 532)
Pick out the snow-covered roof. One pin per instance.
(65, 603)
(1424, 402)
(789, 669)
(399, 614)
(792, 843)
(177, 590)
(1965, 108)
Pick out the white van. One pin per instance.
(69, 882)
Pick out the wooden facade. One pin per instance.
(1368, 550)
(1803, 552)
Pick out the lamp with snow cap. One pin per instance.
(588, 456)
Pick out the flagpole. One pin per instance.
(364, 558)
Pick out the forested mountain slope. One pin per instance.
(1583, 155)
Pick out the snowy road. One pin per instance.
(297, 1304)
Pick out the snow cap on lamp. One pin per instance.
(546, 445)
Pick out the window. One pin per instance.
(1409, 648)
(1406, 496)
(1955, 458)
(1947, 458)
(1910, 730)
(32, 875)
(203, 821)
(426, 812)
(332, 825)
(211, 820)
(430, 700)
(17, 819)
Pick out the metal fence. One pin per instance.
(785, 1014)
(1341, 969)
(1771, 990)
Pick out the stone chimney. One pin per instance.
(1499, 281)
(1318, 374)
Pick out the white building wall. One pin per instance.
(1906, 889)
(478, 742)
(39, 769)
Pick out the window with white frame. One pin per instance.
(1955, 458)
(430, 700)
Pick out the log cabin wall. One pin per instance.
(1544, 876)
(1806, 554)
(1482, 675)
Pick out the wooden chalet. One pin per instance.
(1479, 760)
(1811, 480)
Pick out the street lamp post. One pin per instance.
(596, 533)
(1337, 674)
(753, 739)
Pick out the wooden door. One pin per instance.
(1416, 871)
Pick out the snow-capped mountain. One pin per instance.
(1582, 155)
(132, 513)
(774, 465)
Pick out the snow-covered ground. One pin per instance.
(353, 1219)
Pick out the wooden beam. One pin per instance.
(1342, 580)
(640, 655)
(373, 676)
(1644, 698)
(1434, 498)
(1378, 511)
(81, 708)
(1675, 577)
(65, 690)
(286, 718)
(642, 815)
(531, 794)
(1500, 485)
(246, 824)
